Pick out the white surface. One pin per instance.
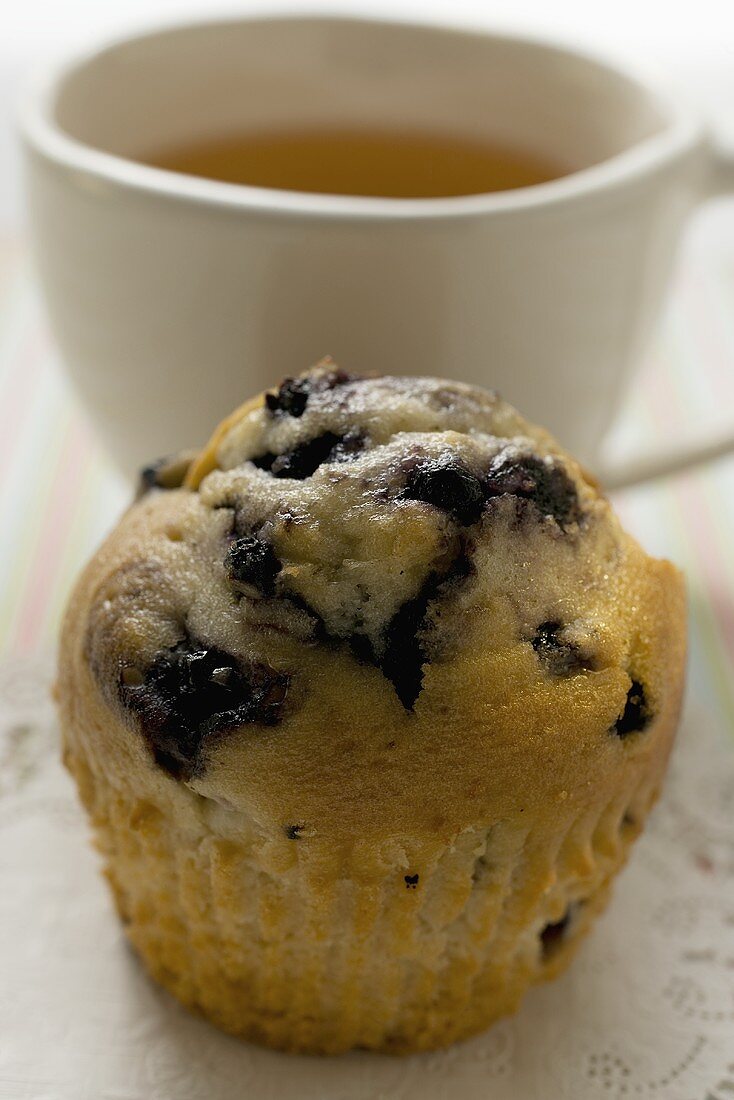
(646, 1012)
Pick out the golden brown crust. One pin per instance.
(206, 461)
(362, 872)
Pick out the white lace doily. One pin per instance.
(645, 1013)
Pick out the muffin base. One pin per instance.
(304, 948)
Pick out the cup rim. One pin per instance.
(42, 133)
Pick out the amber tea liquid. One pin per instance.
(384, 164)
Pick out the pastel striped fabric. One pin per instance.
(59, 495)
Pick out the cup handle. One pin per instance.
(664, 463)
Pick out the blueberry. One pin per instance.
(363, 649)
(305, 458)
(264, 461)
(293, 832)
(411, 881)
(348, 446)
(291, 398)
(449, 486)
(253, 563)
(543, 484)
(293, 393)
(165, 473)
(636, 714)
(194, 692)
(403, 650)
(148, 477)
(559, 658)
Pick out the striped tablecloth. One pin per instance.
(59, 495)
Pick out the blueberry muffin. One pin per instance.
(367, 703)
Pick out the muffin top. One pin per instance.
(378, 599)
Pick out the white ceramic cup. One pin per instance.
(174, 298)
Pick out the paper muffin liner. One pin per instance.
(389, 944)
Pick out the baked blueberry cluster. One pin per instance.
(193, 693)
